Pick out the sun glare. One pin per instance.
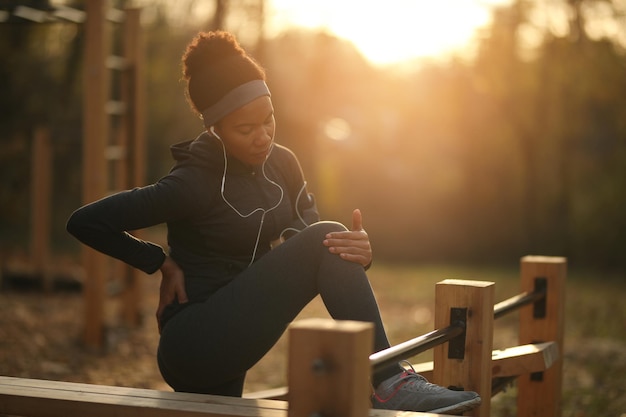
(390, 31)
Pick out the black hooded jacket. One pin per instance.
(212, 234)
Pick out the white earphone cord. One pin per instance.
(261, 209)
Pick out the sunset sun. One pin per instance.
(390, 31)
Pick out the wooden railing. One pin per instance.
(462, 348)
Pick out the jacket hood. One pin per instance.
(205, 152)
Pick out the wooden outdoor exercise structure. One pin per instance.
(113, 151)
(330, 362)
(113, 156)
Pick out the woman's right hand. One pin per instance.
(172, 287)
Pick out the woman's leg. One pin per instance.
(214, 343)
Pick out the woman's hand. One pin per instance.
(172, 287)
(352, 245)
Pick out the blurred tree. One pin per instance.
(39, 83)
(517, 151)
(552, 103)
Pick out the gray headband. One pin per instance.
(235, 98)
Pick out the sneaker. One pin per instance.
(409, 391)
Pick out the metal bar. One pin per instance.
(515, 302)
(412, 347)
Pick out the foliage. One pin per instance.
(515, 151)
(40, 86)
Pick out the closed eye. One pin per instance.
(247, 128)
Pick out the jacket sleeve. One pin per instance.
(105, 224)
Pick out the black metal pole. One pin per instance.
(412, 347)
(515, 302)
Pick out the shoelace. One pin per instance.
(411, 378)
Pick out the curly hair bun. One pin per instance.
(213, 64)
(209, 48)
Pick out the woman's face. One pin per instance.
(248, 132)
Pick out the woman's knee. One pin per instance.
(323, 228)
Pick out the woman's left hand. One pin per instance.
(352, 245)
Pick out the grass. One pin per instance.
(595, 332)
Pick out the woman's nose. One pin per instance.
(263, 136)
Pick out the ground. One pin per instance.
(41, 337)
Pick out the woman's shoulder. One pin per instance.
(197, 167)
(204, 151)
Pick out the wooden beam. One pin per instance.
(514, 361)
(525, 359)
(280, 393)
(41, 398)
(41, 192)
(38, 398)
(95, 178)
(329, 372)
(471, 372)
(134, 126)
(539, 394)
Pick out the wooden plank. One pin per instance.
(540, 394)
(28, 13)
(525, 359)
(329, 370)
(41, 402)
(279, 393)
(115, 108)
(41, 398)
(514, 361)
(28, 383)
(117, 63)
(473, 372)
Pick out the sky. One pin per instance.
(401, 30)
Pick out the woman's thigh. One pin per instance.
(238, 324)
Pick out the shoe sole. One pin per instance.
(458, 408)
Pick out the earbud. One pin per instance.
(212, 129)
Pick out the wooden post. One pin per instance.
(539, 394)
(329, 369)
(96, 83)
(133, 53)
(133, 96)
(40, 205)
(470, 365)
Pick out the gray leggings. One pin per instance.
(208, 347)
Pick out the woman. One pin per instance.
(247, 251)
